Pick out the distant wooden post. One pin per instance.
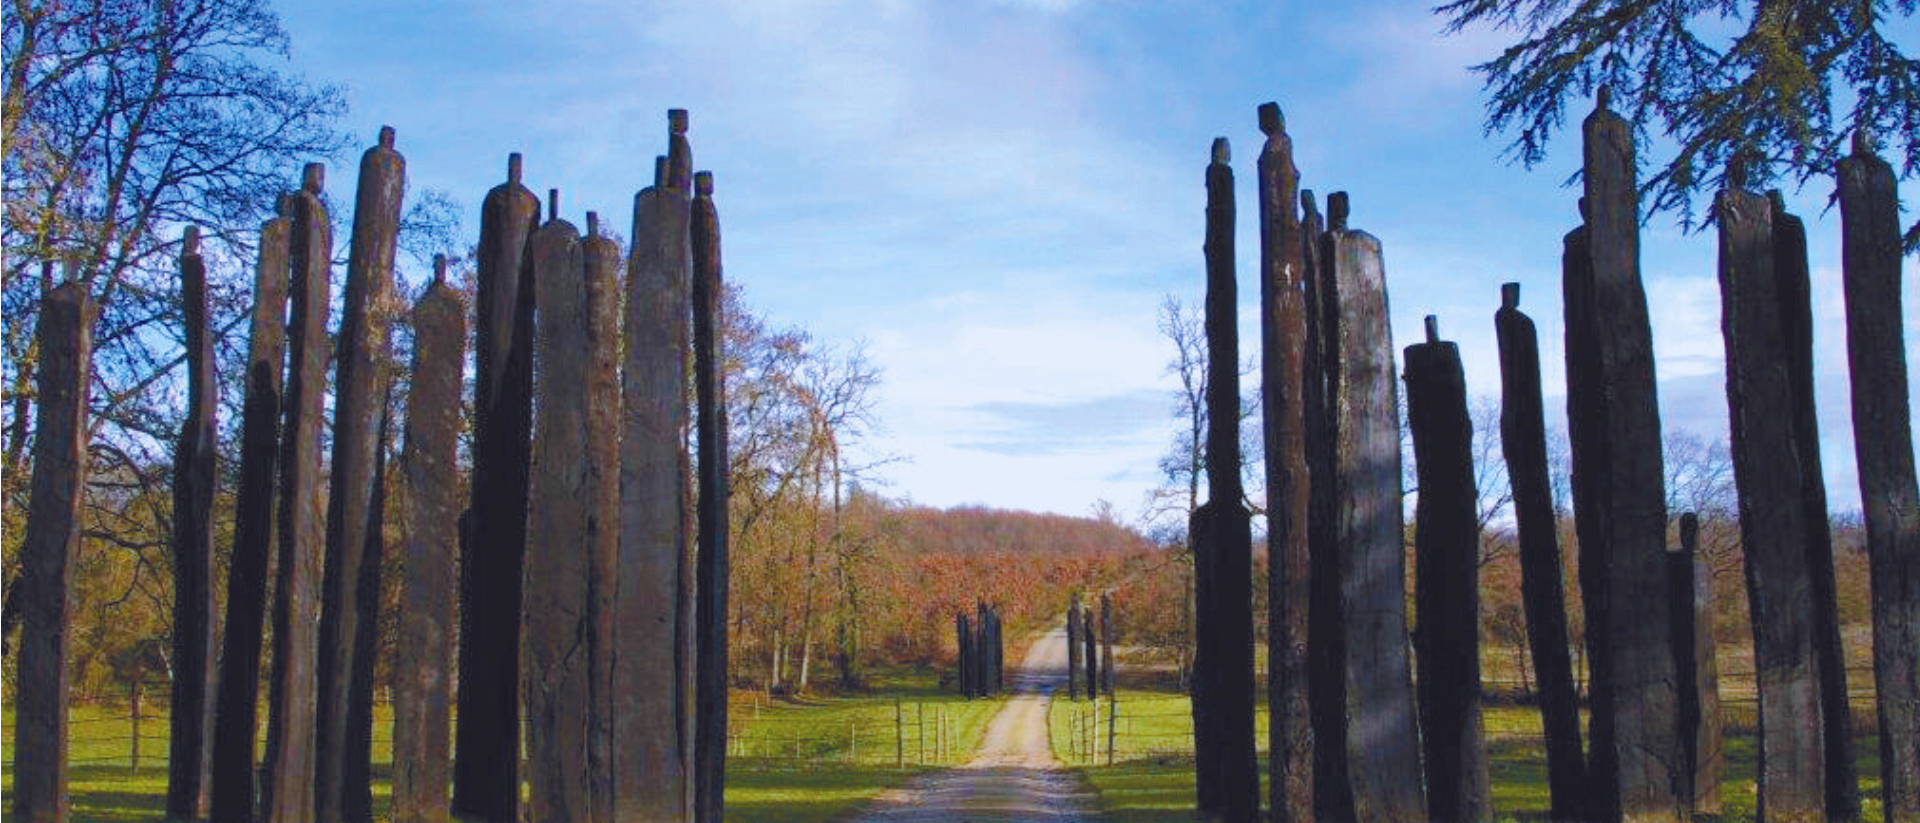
(710, 385)
(600, 264)
(1089, 656)
(1883, 449)
(1447, 582)
(1690, 589)
(1524, 444)
(1283, 339)
(1382, 735)
(236, 702)
(1769, 471)
(1614, 414)
(64, 334)
(359, 390)
(1106, 642)
(1073, 648)
(1795, 306)
(963, 659)
(983, 649)
(486, 765)
(1326, 636)
(1227, 535)
(287, 792)
(423, 683)
(558, 564)
(193, 492)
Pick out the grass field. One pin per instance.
(766, 782)
(1151, 779)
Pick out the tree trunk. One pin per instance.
(287, 790)
(486, 765)
(1883, 449)
(1524, 444)
(64, 334)
(189, 723)
(710, 745)
(423, 684)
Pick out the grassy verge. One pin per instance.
(806, 761)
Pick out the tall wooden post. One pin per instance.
(359, 390)
(64, 334)
(1796, 321)
(1073, 648)
(193, 490)
(1089, 653)
(1326, 636)
(486, 768)
(356, 800)
(1106, 642)
(983, 649)
(600, 265)
(963, 654)
(558, 564)
(1636, 762)
(1524, 444)
(237, 697)
(423, 683)
(287, 791)
(1446, 582)
(1769, 471)
(1283, 334)
(710, 387)
(1227, 534)
(1883, 450)
(651, 771)
(1690, 588)
(1382, 735)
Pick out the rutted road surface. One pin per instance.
(1013, 776)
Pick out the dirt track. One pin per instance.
(1013, 775)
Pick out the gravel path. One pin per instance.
(1013, 776)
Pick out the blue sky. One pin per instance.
(995, 194)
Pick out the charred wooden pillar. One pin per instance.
(963, 657)
(356, 804)
(678, 175)
(1599, 800)
(983, 649)
(1446, 582)
(237, 695)
(1774, 533)
(558, 562)
(1106, 641)
(600, 262)
(1523, 440)
(1089, 653)
(1073, 648)
(651, 770)
(287, 792)
(193, 489)
(64, 334)
(359, 391)
(1227, 534)
(486, 769)
(423, 683)
(1883, 449)
(1690, 591)
(1326, 636)
(1382, 735)
(710, 743)
(1283, 327)
(1796, 322)
(1636, 768)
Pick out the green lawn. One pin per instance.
(766, 782)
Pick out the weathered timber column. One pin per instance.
(64, 334)
(193, 489)
(1523, 438)
(1795, 306)
(1106, 641)
(237, 696)
(1446, 640)
(1227, 534)
(423, 683)
(1283, 342)
(710, 743)
(983, 649)
(1073, 648)
(1205, 753)
(287, 792)
(600, 262)
(1382, 736)
(963, 663)
(558, 562)
(356, 803)
(1326, 637)
(1588, 459)
(651, 769)
(1638, 737)
(486, 773)
(1768, 470)
(1883, 449)
(1089, 653)
(359, 391)
(677, 174)
(1690, 595)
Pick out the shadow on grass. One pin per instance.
(786, 791)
